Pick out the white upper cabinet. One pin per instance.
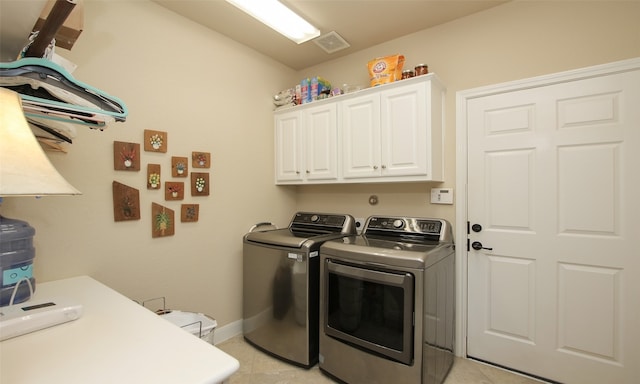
(360, 126)
(389, 133)
(321, 140)
(306, 144)
(405, 147)
(288, 137)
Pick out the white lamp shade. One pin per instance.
(25, 170)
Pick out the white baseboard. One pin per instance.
(226, 332)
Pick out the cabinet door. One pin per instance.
(404, 140)
(289, 139)
(321, 131)
(361, 136)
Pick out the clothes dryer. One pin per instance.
(387, 302)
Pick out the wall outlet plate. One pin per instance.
(360, 224)
(441, 195)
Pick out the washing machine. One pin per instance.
(387, 302)
(281, 285)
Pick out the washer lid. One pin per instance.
(306, 228)
(290, 238)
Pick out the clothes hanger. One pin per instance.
(59, 88)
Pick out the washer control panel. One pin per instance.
(323, 221)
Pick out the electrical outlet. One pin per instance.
(441, 195)
(360, 224)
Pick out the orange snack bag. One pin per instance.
(386, 69)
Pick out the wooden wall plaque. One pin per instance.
(155, 141)
(126, 156)
(154, 181)
(174, 190)
(201, 159)
(179, 166)
(162, 221)
(189, 213)
(126, 202)
(199, 184)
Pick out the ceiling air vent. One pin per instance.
(331, 42)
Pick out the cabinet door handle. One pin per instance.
(297, 172)
(384, 167)
(375, 167)
(308, 171)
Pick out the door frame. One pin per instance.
(461, 217)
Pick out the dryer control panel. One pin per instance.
(401, 227)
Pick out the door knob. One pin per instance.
(476, 227)
(478, 246)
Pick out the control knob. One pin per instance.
(397, 223)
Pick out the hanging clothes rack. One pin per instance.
(52, 99)
(48, 91)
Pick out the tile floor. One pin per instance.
(257, 367)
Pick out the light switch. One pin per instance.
(441, 195)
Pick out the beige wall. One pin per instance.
(211, 94)
(509, 42)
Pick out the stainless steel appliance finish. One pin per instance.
(281, 285)
(387, 303)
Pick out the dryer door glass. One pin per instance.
(370, 309)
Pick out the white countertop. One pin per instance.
(115, 341)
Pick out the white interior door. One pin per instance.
(554, 181)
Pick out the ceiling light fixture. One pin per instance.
(278, 17)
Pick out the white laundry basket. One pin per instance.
(198, 324)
